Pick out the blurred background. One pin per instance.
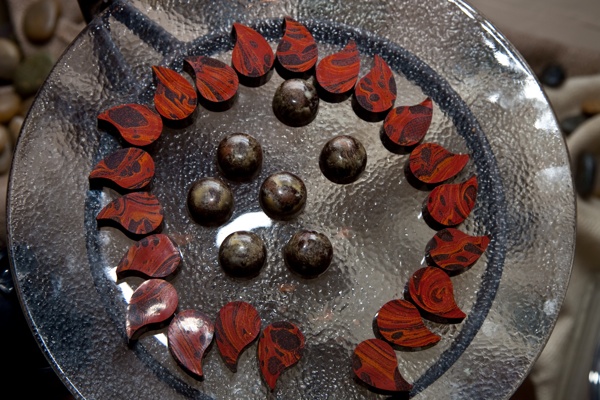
(560, 39)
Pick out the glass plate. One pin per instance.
(487, 103)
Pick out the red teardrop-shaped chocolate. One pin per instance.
(455, 251)
(376, 91)
(154, 256)
(175, 97)
(279, 347)
(375, 364)
(297, 51)
(237, 325)
(431, 163)
(139, 125)
(252, 56)
(431, 290)
(451, 204)
(407, 125)
(139, 213)
(400, 323)
(128, 168)
(190, 334)
(338, 72)
(216, 81)
(153, 302)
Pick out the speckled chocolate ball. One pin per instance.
(282, 196)
(210, 202)
(343, 159)
(296, 102)
(239, 157)
(242, 254)
(308, 253)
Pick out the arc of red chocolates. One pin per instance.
(431, 290)
(153, 302)
(408, 125)
(297, 51)
(175, 97)
(190, 334)
(236, 327)
(138, 124)
(376, 91)
(431, 163)
(338, 72)
(455, 251)
(154, 256)
(252, 55)
(375, 364)
(451, 204)
(280, 346)
(139, 213)
(400, 324)
(216, 81)
(128, 168)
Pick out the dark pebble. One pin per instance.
(585, 174)
(32, 72)
(296, 102)
(308, 253)
(210, 202)
(568, 125)
(239, 157)
(553, 76)
(39, 21)
(282, 196)
(242, 254)
(343, 159)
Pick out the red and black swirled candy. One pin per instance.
(407, 125)
(216, 81)
(190, 334)
(455, 251)
(400, 324)
(280, 346)
(139, 213)
(252, 56)
(154, 256)
(175, 97)
(236, 327)
(138, 124)
(375, 364)
(297, 51)
(376, 91)
(338, 72)
(128, 168)
(431, 163)
(451, 204)
(153, 302)
(431, 290)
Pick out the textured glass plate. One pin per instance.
(487, 103)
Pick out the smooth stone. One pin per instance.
(26, 105)
(553, 76)
(10, 55)
(585, 174)
(10, 103)
(591, 107)
(32, 73)
(4, 138)
(5, 160)
(14, 128)
(568, 125)
(39, 20)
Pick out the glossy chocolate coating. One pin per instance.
(282, 196)
(242, 254)
(308, 253)
(210, 202)
(296, 102)
(343, 159)
(239, 157)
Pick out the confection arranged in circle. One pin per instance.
(242, 254)
(210, 202)
(431, 290)
(152, 303)
(175, 98)
(455, 251)
(282, 196)
(343, 159)
(451, 203)
(155, 256)
(139, 213)
(127, 168)
(138, 124)
(280, 346)
(308, 253)
(376, 91)
(431, 163)
(252, 55)
(239, 157)
(296, 102)
(216, 81)
(297, 50)
(190, 334)
(406, 126)
(338, 72)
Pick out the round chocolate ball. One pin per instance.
(296, 102)
(343, 159)
(308, 253)
(242, 254)
(239, 157)
(282, 196)
(210, 202)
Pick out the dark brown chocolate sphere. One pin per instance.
(210, 202)
(239, 157)
(308, 253)
(343, 159)
(282, 196)
(296, 102)
(242, 254)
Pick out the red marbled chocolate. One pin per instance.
(138, 124)
(407, 125)
(338, 72)
(139, 213)
(431, 290)
(190, 334)
(297, 51)
(455, 251)
(375, 364)
(236, 327)
(153, 302)
(154, 256)
(431, 163)
(175, 97)
(216, 81)
(252, 56)
(279, 347)
(376, 91)
(400, 324)
(451, 204)
(128, 168)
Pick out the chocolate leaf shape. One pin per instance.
(430, 289)
(252, 56)
(154, 256)
(279, 347)
(153, 302)
(451, 204)
(190, 334)
(375, 364)
(128, 168)
(237, 325)
(455, 251)
(297, 51)
(139, 125)
(431, 163)
(216, 81)
(338, 72)
(139, 213)
(407, 125)
(175, 97)
(400, 323)
(376, 91)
